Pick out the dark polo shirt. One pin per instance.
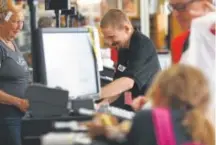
(140, 63)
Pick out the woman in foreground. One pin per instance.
(184, 91)
(179, 97)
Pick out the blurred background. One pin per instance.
(152, 17)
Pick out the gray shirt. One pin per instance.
(14, 77)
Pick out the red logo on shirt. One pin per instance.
(213, 29)
(128, 99)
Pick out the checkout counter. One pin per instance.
(77, 62)
(70, 65)
(34, 128)
(48, 106)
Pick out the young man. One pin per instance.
(137, 61)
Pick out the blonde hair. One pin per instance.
(7, 6)
(115, 18)
(211, 1)
(185, 87)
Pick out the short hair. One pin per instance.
(3, 5)
(7, 6)
(114, 18)
(45, 22)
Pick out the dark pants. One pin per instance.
(10, 131)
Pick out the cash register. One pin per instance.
(63, 59)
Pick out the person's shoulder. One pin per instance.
(1, 44)
(2, 50)
(142, 37)
(1, 47)
(144, 114)
(201, 22)
(177, 114)
(142, 41)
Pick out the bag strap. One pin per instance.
(163, 127)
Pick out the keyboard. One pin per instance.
(118, 112)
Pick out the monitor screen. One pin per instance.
(69, 61)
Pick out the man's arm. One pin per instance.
(111, 100)
(114, 89)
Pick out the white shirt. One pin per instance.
(201, 53)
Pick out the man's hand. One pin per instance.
(102, 103)
(22, 104)
(107, 101)
(138, 103)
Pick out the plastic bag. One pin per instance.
(201, 52)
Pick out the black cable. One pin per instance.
(33, 23)
(32, 9)
(57, 13)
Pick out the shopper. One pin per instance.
(137, 62)
(183, 90)
(185, 11)
(14, 76)
(201, 52)
(180, 96)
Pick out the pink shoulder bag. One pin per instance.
(164, 128)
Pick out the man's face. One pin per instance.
(116, 38)
(186, 10)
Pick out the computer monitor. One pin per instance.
(64, 58)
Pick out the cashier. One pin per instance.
(137, 61)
